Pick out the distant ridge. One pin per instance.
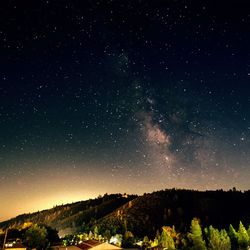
(74, 217)
(143, 215)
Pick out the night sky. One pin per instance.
(121, 96)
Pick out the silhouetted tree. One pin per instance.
(36, 237)
(128, 239)
(52, 235)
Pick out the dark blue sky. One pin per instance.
(121, 96)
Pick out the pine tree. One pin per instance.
(196, 236)
(166, 240)
(248, 231)
(96, 233)
(213, 236)
(233, 235)
(90, 235)
(243, 237)
(225, 240)
(217, 239)
(145, 242)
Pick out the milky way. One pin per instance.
(103, 96)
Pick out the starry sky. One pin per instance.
(121, 96)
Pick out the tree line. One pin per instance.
(209, 238)
(197, 238)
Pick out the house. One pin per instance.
(15, 246)
(59, 247)
(96, 245)
(89, 245)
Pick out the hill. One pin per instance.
(143, 215)
(71, 218)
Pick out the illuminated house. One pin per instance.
(96, 245)
(15, 246)
(89, 245)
